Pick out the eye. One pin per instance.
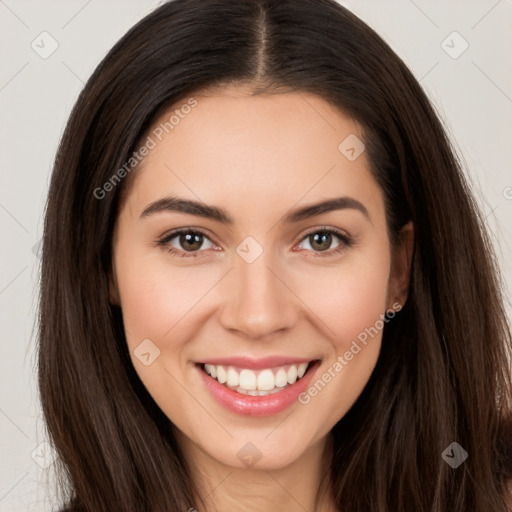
(327, 241)
(181, 242)
(188, 242)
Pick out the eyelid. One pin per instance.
(164, 240)
(166, 237)
(322, 229)
(345, 239)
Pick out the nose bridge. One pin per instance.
(257, 302)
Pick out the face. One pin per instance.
(243, 303)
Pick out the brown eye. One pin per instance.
(320, 241)
(191, 242)
(186, 241)
(326, 241)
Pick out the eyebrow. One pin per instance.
(176, 204)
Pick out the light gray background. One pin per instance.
(472, 93)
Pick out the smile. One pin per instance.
(257, 387)
(256, 382)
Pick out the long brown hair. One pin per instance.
(443, 374)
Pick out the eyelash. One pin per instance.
(345, 242)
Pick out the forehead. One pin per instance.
(232, 146)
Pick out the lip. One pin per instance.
(247, 405)
(255, 364)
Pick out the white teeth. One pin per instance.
(281, 378)
(292, 374)
(301, 370)
(222, 375)
(266, 380)
(211, 369)
(248, 380)
(257, 383)
(233, 377)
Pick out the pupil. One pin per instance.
(322, 241)
(191, 241)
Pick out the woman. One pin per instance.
(265, 283)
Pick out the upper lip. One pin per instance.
(256, 364)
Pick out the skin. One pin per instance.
(258, 158)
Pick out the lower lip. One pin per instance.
(248, 405)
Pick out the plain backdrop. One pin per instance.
(459, 50)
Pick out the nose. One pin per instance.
(259, 301)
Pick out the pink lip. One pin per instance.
(256, 364)
(257, 405)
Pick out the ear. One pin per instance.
(401, 258)
(113, 290)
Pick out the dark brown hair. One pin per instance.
(443, 373)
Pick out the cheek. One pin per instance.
(349, 297)
(349, 302)
(155, 297)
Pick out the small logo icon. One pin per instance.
(43, 455)
(146, 352)
(44, 45)
(454, 45)
(351, 147)
(249, 250)
(36, 249)
(454, 455)
(249, 454)
(507, 192)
